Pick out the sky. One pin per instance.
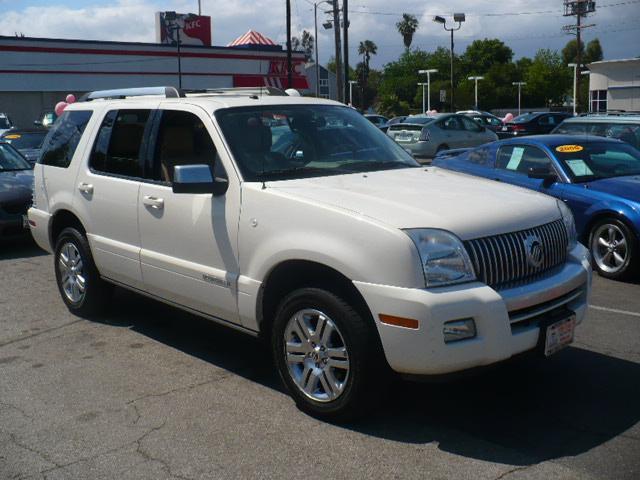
(524, 25)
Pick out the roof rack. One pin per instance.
(271, 91)
(613, 113)
(167, 92)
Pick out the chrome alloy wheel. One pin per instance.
(609, 247)
(316, 355)
(71, 274)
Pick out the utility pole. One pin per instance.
(336, 32)
(578, 9)
(289, 68)
(199, 8)
(315, 24)
(345, 30)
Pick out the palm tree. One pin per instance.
(407, 27)
(367, 48)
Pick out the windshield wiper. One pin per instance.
(289, 172)
(372, 164)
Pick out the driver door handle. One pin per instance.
(85, 188)
(153, 202)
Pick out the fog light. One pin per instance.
(456, 330)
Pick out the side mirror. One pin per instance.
(547, 176)
(197, 179)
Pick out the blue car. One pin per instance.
(598, 178)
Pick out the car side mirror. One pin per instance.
(197, 179)
(547, 176)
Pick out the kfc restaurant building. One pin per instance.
(36, 73)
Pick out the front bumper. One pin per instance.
(500, 332)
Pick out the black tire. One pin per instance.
(96, 292)
(631, 253)
(367, 367)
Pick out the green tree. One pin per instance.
(407, 27)
(366, 49)
(481, 55)
(570, 51)
(548, 79)
(593, 52)
(306, 44)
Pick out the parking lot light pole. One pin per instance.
(459, 18)
(476, 80)
(428, 72)
(520, 85)
(423, 84)
(575, 81)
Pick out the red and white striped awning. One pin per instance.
(251, 38)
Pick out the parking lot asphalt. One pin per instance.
(150, 392)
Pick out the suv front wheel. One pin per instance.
(80, 285)
(326, 355)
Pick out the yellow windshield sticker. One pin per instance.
(569, 148)
(13, 136)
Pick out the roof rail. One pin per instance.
(167, 92)
(271, 91)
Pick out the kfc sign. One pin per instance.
(279, 68)
(193, 29)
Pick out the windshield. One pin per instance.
(11, 160)
(4, 123)
(25, 140)
(298, 141)
(592, 161)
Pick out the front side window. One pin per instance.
(62, 140)
(296, 141)
(182, 140)
(11, 160)
(470, 125)
(595, 160)
(521, 158)
(118, 143)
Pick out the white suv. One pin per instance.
(298, 220)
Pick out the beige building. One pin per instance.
(614, 85)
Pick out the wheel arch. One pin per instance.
(62, 219)
(619, 215)
(289, 275)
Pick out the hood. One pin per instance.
(468, 206)
(625, 187)
(16, 186)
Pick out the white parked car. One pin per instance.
(296, 219)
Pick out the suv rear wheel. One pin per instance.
(80, 285)
(614, 249)
(326, 356)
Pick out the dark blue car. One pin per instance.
(598, 178)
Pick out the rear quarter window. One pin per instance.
(62, 140)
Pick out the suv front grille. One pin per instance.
(510, 259)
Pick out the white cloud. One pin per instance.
(133, 20)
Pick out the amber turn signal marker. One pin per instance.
(398, 321)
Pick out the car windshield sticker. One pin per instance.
(516, 156)
(579, 168)
(13, 136)
(569, 148)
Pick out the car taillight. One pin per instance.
(424, 135)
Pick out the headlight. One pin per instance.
(569, 224)
(444, 259)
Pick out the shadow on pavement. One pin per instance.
(20, 248)
(522, 412)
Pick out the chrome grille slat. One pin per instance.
(501, 261)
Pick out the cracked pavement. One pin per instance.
(149, 392)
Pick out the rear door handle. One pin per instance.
(153, 202)
(85, 188)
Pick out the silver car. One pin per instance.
(426, 135)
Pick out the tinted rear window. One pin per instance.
(62, 140)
